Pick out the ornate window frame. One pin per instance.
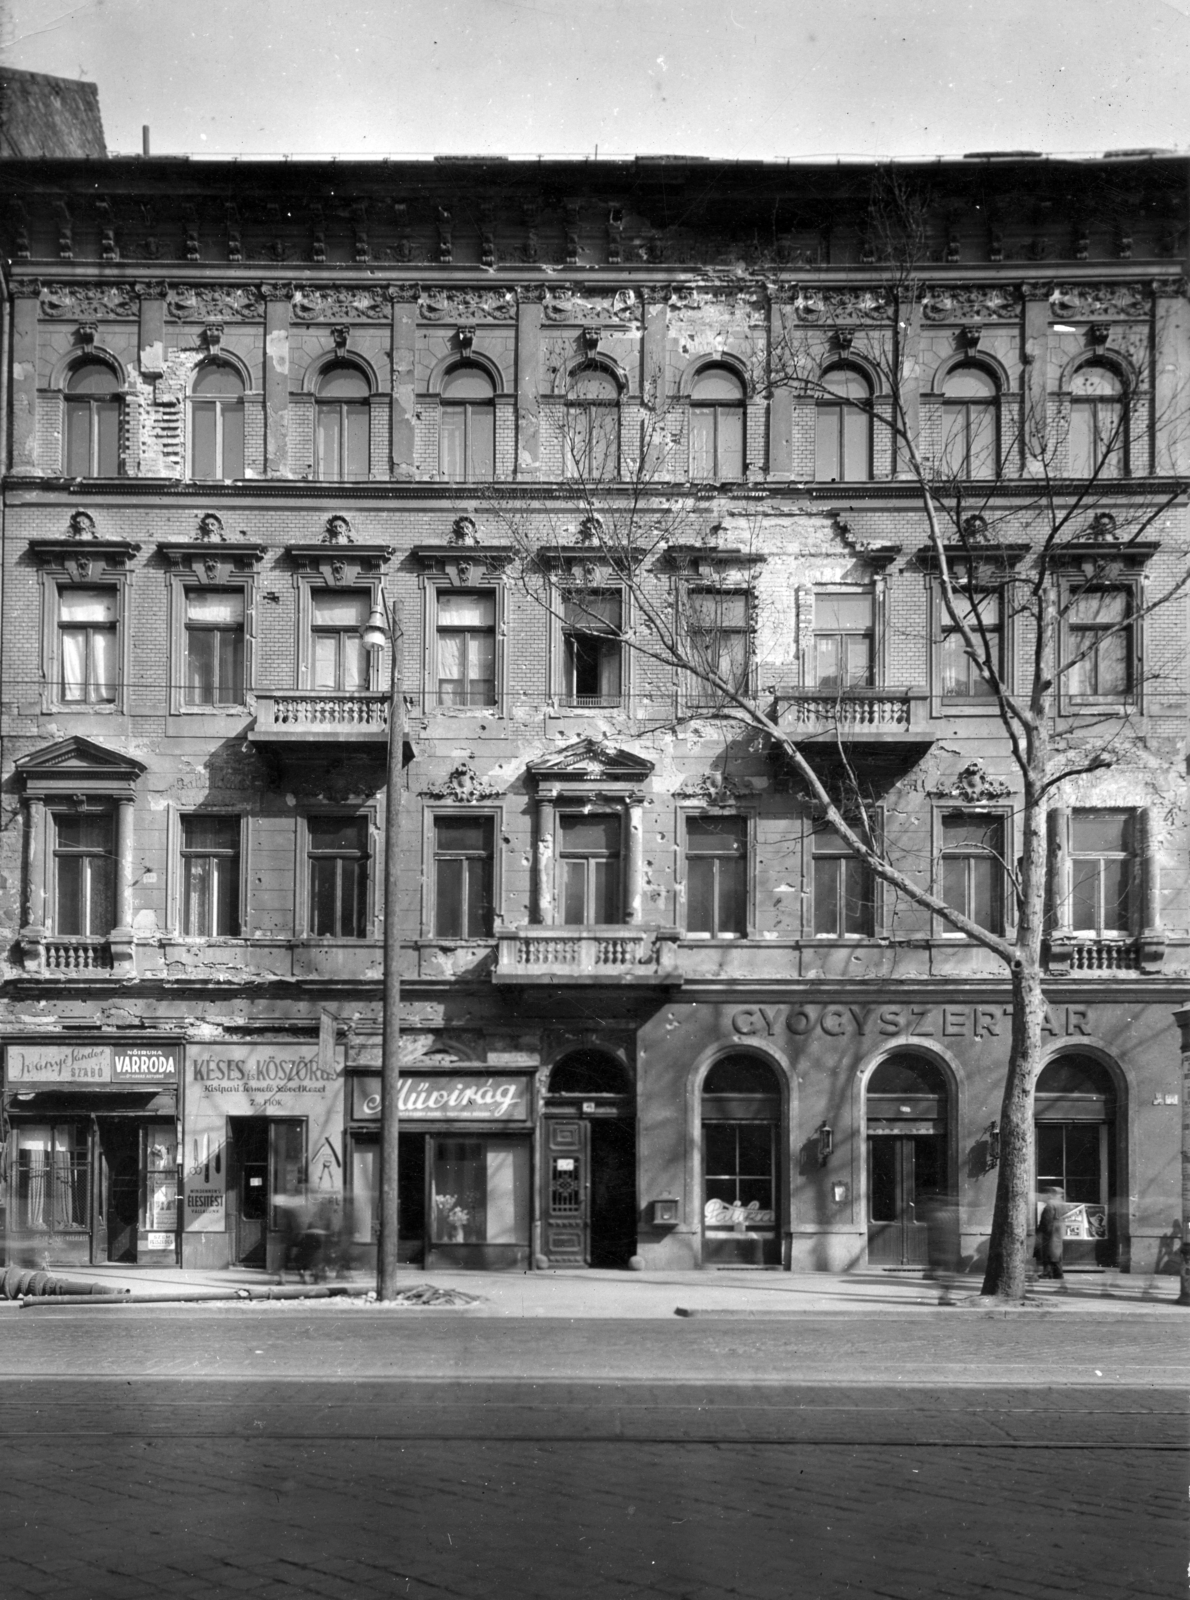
(83, 559)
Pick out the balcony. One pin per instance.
(320, 717)
(608, 955)
(1069, 953)
(868, 722)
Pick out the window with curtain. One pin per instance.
(844, 639)
(88, 624)
(970, 423)
(593, 425)
(211, 877)
(717, 426)
(592, 652)
(717, 876)
(1097, 442)
(1102, 872)
(84, 874)
(467, 426)
(217, 422)
(463, 861)
(214, 647)
(973, 867)
(1101, 644)
(720, 639)
(339, 659)
(589, 863)
(337, 851)
(843, 418)
(466, 645)
(52, 1179)
(981, 613)
(342, 423)
(92, 421)
(844, 889)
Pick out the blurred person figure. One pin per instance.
(941, 1215)
(1049, 1234)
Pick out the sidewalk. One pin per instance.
(594, 1293)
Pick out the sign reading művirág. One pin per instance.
(468, 1097)
(84, 1064)
(277, 1079)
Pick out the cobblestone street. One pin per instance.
(367, 1469)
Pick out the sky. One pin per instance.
(747, 79)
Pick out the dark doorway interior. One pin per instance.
(902, 1172)
(250, 1149)
(613, 1192)
(120, 1142)
(411, 1198)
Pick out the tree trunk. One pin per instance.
(1011, 1248)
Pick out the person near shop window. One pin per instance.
(1049, 1234)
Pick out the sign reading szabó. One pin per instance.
(447, 1099)
(92, 1063)
(282, 1079)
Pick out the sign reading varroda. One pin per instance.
(282, 1079)
(449, 1099)
(85, 1064)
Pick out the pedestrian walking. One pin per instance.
(1049, 1234)
(940, 1213)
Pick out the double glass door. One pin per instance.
(903, 1171)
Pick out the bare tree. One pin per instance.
(1033, 535)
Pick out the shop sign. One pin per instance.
(91, 1063)
(907, 1022)
(280, 1079)
(731, 1214)
(447, 1099)
(159, 1241)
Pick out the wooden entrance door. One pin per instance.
(566, 1196)
(902, 1170)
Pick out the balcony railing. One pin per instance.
(319, 716)
(584, 955)
(873, 717)
(1094, 955)
(78, 955)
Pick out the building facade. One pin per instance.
(652, 1011)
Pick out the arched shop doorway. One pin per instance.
(588, 1170)
(907, 1109)
(741, 1120)
(1075, 1115)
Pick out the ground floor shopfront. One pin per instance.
(805, 1133)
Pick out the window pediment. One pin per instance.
(590, 766)
(78, 766)
(212, 563)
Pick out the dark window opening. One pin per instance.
(338, 861)
(463, 863)
(717, 876)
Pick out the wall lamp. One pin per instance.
(826, 1143)
(993, 1145)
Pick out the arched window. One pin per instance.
(1075, 1111)
(593, 424)
(93, 421)
(342, 412)
(741, 1118)
(467, 426)
(1098, 438)
(716, 426)
(907, 1107)
(970, 423)
(844, 427)
(217, 422)
(586, 1073)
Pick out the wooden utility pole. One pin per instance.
(390, 1071)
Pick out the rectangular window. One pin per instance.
(479, 1191)
(84, 874)
(463, 861)
(339, 658)
(961, 678)
(844, 889)
(843, 640)
(337, 849)
(1101, 872)
(92, 438)
(591, 627)
(467, 443)
(716, 443)
(87, 645)
(211, 877)
(214, 647)
(717, 876)
(973, 867)
(1101, 642)
(466, 649)
(590, 868)
(719, 640)
(53, 1176)
(217, 445)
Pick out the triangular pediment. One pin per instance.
(592, 759)
(78, 760)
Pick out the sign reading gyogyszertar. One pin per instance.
(84, 1064)
(278, 1079)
